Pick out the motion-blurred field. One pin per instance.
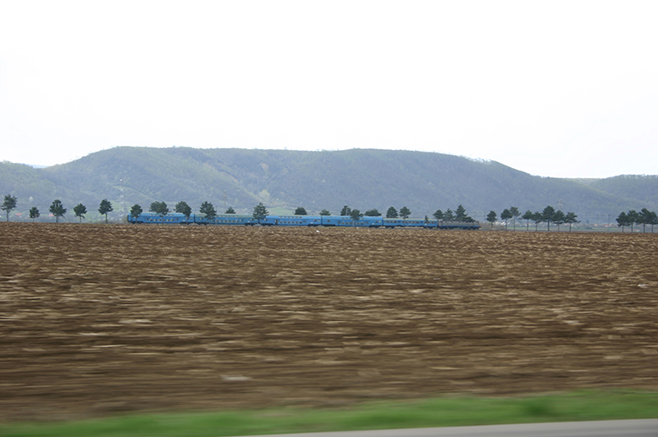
(103, 319)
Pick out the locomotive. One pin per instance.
(299, 220)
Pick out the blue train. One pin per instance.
(298, 220)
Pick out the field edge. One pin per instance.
(580, 405)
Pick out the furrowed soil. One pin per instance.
(98, 320)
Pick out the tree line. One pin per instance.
(548, 215)
(356, 214)
(56, 208)
(161, 208)
(644, 217)
(459, 215)
(260, 211)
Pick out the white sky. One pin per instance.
(553, 88)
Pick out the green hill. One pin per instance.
(641, 188)
(283, 180)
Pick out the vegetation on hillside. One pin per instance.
(642, 188)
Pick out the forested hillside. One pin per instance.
(283, 180)
(642, 188)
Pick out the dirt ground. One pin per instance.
(98, 320)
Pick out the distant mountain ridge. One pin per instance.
(284, 180)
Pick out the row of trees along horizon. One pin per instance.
(260, 211)
(56, 208)
(548, 215)
(208, 209)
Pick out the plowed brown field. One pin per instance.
(102, 319)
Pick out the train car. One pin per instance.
(431, 224)
(459, 225)
(346, 221)
(168, 219)
(393, 223)
(291, 220)
(415, 223)
(409, 223)
(373, 222)
(336, 220)
(226, 219)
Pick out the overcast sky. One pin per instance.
(554, 88)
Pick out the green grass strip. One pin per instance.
(443, 411)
